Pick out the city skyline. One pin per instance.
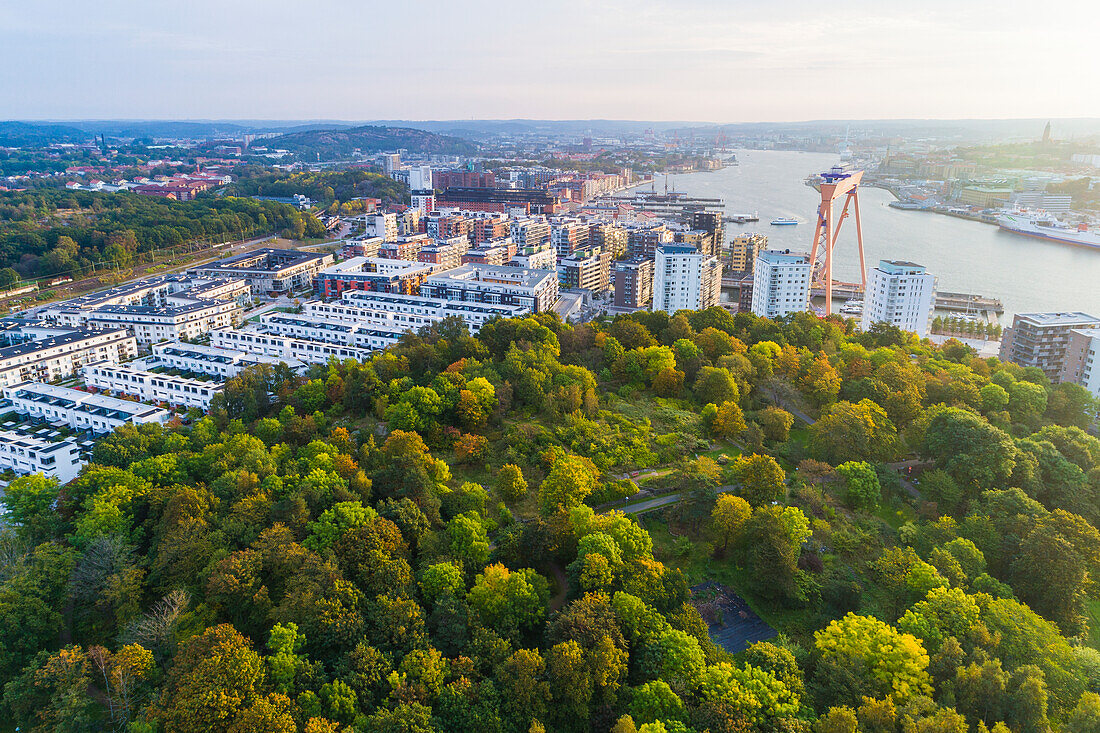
(710, 61)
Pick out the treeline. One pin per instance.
(335, 191)
(50, 232)
(343, 551)
(966, 327)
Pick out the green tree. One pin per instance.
(216, 676)
(510, 482)
(885, 661)
(854, 432)
(716, 385)
(729, 517)
(776, 423)
(862, 490)
(570, 481)
(506, 601)
(762, 479)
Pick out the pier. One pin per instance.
(988, 308)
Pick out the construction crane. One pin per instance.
(835, 183)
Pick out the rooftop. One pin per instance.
(1059, 319)
(493, 273)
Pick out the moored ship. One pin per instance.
(1047, 227)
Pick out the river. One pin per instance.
(1027, 274)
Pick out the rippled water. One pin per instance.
(1026, 274)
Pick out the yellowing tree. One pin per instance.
(891, 663)
(568, 484)
(729, 516)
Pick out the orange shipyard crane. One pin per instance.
(835, 183)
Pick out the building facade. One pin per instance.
(60, 355)
(269, 271)
(26, 455)
(1082, 363)
(633, 284)
(587, 269)
(685, 278)
(901, 294)
(536, 290)
(378, 274)
(79, 410)
(1041, 339)
(780, 283)
(151, 386)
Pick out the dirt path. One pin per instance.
(563, 584)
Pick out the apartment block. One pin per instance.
(685, 278)
(536, 290)
(445, 253)
(269, 271)
(587, 269)
(780, 283)
(633, 283)
(743, 249)
(378, 274)
(286, 348)
(214, 361)
(1082, 362)
(172, 307)
(901, 294)
(1041, 339)
(150, 386)
(568, 236)
(57, 353)
(28, 454)
(79, 410)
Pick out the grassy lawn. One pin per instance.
(695, 560)
(1092, 611)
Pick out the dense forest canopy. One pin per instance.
(48, 232)
(342, 142)
(337, 191)
(420, 542)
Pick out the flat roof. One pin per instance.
(73, 336)
(1059, 318)
(492, 274)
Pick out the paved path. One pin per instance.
(648, 505)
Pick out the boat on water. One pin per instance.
(743, 218)
(784, 222)
(906, 205)
(1049, 228)
(852, 308)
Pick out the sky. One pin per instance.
(702, 60)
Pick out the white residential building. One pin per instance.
(685, 279)
(286, 348)
(381, 225)
(151, 386)
(363, 334)
(420, 188)
(536, 290)
(780, 283)
(214, 361)
(171, 307)
(79, 410)
(27, 454)
(269, 270)
(59, 353)
(408, 311)
(901, 294)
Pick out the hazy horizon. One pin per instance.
(750, 62)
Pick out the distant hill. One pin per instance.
(15, 134)
(339, 143)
